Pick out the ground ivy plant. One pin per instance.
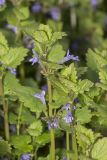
(69, 108)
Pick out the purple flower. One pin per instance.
(12, 70)
(66, 106)
(12, 28)
(64, 158)
(69, 57)
(36, 8)
(2, 2)
(41, 96)
(55, 13)
(25, 156)
(94, 3)
(35, 59)
(76, 100)
(53, 123)
(74, 107)
(69, 118)
(44, 87)
(28, 42)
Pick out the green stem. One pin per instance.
(67, 144)
(5, 109)
(22, 72)
(19, 118)
(74, 145)
(52, 134)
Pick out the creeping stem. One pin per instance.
(74, 145)
(19, 118)
(5, 108)
(52, 149)
(67, 144)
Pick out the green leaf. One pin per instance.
(85, 137)
(46, 29)
(99, 151)
(14, 57)
(21, 13)
(35, 128)
(56, 36)
(3, 45)
(59, 97)
(43, 139)
(43, 35)
(25, 94)
(96, 60)
(4, 148)
(70, 73)
(24, 116)
(56, 53)
(21, 143)
(83, 115)
(103, 75)
(84, 85)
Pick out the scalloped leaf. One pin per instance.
(35, 128)
(4, 148)
(84, 85)
(56, 53)
(21, 144)
(3, 45)
(99, 151)
(25, 94)
(83, 115)
(14, 57)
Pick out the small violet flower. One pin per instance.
(76, 100)
(94, 3)
(44, 87)
(25, 157)
(66, 106)
(41, 96)
(2, 2)
(55, 13)
(12, 70)
(36, 8)
(69, 57)
(69, 118)
(74, 107)
(12, 28)
(35, 59)
(53, 124)
(64, 158)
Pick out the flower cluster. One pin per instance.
(68, 118)
(41, 96)
(53, 123)
(14, 29)
(25, 157)
(35, 58)
(36, 8)
(69, 57)
(55, 13)
(2, 2)
(12, 70)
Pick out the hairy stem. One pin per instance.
(19, 117)
(52, 149)
(5, 108)
(67, 144)
(74, 145)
